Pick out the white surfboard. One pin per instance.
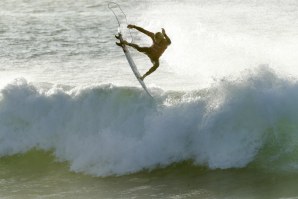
(113, 7)
(133, 65)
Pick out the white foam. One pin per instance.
(105, 130)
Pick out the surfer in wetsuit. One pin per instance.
(160, 43)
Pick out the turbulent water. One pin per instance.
(75, 123)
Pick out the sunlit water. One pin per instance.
(75, 123)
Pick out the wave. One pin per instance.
(110, 130)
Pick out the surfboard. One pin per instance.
(132, 64)
(113, 7)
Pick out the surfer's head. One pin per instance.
(158, 37)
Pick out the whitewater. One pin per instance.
(75, 123)
(109, 130)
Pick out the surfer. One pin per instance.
(160, 43)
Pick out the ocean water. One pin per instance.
(75, 123)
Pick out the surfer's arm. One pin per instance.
(146, 32)
(166, 36)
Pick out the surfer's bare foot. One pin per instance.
(118, 44)
(117, 36)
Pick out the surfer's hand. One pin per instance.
(163, 31)
(130, 26)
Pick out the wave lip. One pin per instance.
(108, 130)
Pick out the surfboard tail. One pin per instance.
(132, 64)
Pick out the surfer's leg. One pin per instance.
(152, 69)
(138, 48)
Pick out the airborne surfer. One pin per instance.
(160, 43)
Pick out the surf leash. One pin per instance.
(112, 5)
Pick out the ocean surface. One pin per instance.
(75, 123)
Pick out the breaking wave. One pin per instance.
(109, 130)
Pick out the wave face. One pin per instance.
(109, 130)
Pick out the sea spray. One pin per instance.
(108, 130)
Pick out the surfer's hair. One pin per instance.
(158, 36)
